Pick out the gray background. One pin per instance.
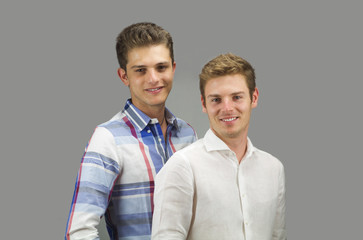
(59, 80)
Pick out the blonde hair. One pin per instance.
(227, 64)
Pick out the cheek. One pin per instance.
(246, 111)
(244, 107)
(212, 112)
(168, 77)
(137, 81)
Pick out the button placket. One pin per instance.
(243, 195)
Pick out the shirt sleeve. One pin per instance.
(279, 231)
(173, 200)
(95, 180)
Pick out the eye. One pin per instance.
(216, 100)
(162, 68)
(140, 70)
(237, 97)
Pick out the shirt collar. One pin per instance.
(250, 149)
(140, 120)
(214, 143)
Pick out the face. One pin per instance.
(149, 75)
(228, 105)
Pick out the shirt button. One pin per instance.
(243, 195)
(246, 223)
(159, 139)
(148, 131)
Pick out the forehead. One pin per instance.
(148, 55)
(228, 84)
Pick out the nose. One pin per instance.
(227, 105)
(152, 77)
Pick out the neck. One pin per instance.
(162, 121)
(237, 144)
(239, 147)
(152, 111)
(156, 111)
(160, 115)
(163, 124)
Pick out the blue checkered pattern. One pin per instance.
(116, 176)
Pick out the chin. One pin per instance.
(232, 134)
(157, 103)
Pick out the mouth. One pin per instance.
(154, 90)
(231, 119)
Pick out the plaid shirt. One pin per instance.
(116, 177)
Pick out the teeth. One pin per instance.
(229, 119)
(153, 89)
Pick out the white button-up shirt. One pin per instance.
(203, 192)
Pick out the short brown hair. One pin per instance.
(141, 34)
(227, 64)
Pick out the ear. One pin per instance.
(123, 76)
(174, 66)
(203, 104)
(255, 98)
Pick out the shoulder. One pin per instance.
(189, 151)
(180, 161)
(183, 126)
(182, 134)
(267, 158)
(105, 134)
(115, 126)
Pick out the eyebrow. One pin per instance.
(144, 66)
(217, 95)
(162, 63)
(138, 66)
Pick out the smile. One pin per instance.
(153, 89)
(229, 119)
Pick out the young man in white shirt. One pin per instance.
(222, 187)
